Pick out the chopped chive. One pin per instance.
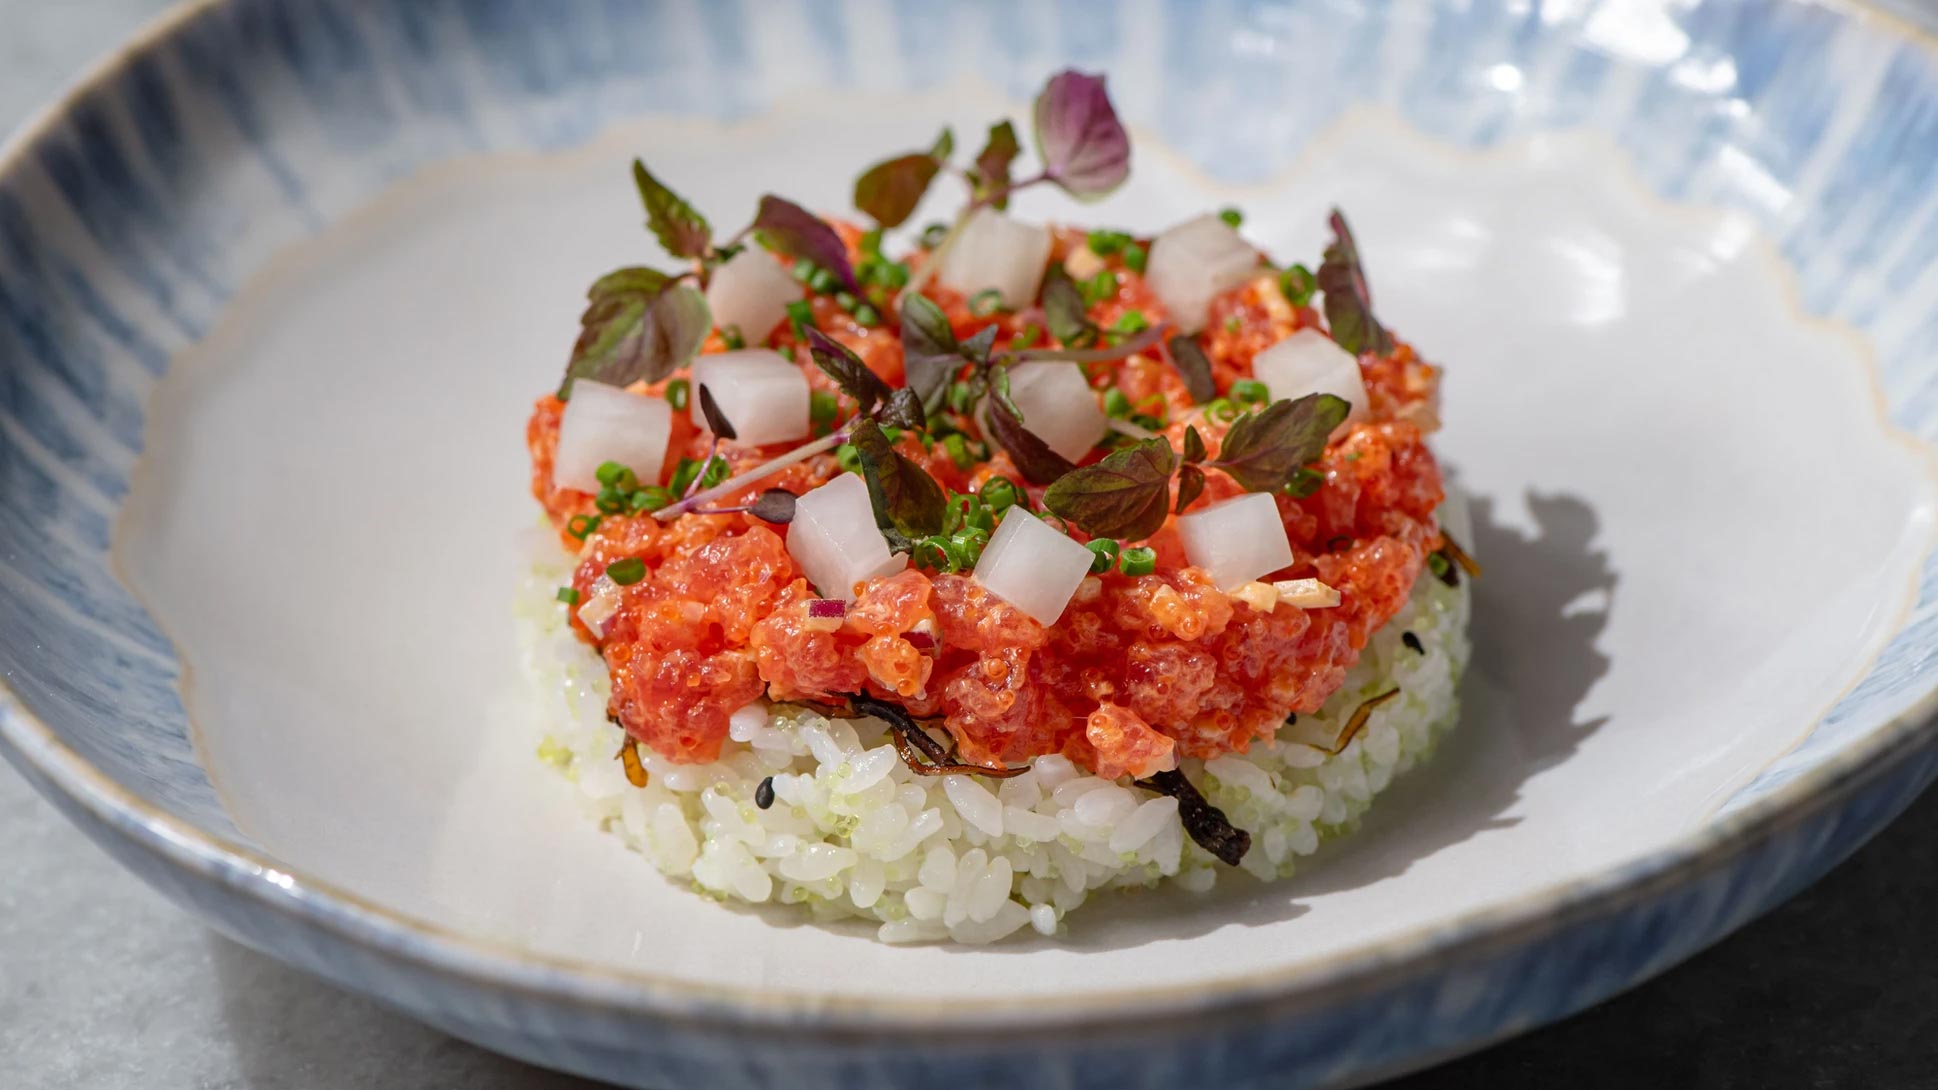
(871, 241)
(1134, 258)
(1250, 392)
(569, 595)
(1030, 335)
(846, 301)
(895, 275)
(611, 474)
(1103, 554)
(966, 546)
(848, 458)
(1099, 287)
(999, 494)
(626, 572)
(986, 302)
(1232, 324)
(1139, 561)
(610, 501)
(716, 471)
(1105, 243)
(582, 526)
(677, 392)
(821, 281)
(800, 315)
(822, 409)
(731, 335)
(1131, 321)
(962, 397)
(1232, 216)
(1222, 410)
(1116, 404)
(1147, 422)
(1297, 284)
(867, 316)
(933, 234)
(802, 270)
(1355, 455)
(958, 450)
(650, 498)
(1305, 481)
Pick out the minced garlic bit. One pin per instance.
(1263, 597)
(1083, 263)
(600, 605)
(1306, 593)
(1091, 589)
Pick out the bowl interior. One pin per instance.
(1700, 523)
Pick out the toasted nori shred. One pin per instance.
(919, 750)
(764, 794)
(1413, 643)
(1360, 715)
(1452, 548)
(1204, 822)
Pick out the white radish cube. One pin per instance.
(1236, 541)
(1308, 362)
(1195, 262)
(750, 293)
(763, 394)
(994, 252)
(1032, 567)
(607, 424)
(834, 539)
(1058, 405)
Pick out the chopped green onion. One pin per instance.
(979, 517)
(986, 302)
(958, 450)
(1250, 391)
(932, 552)
(821, 281)
(962, 397)
(626, 572)
(822, 409)
(1305, 481)
(867, 316)
(1139, 561)
(1146, 421)
(846, 301)
(717, 470)
(1116, 404)
(933, 234)
(966, 546)
(610, 501)
(1438, 564)
(614, 475)
(677, 392)
(1105, 243)
(1232, 324)
(1103, 554)
(1232, 216)
(999, 493)
(1222, 410)
(848, 458)
(802, 270)
(800, 315)
(1134, 258)
(1131, 321)
(1099, 287)
(1297, 284)
(731, 335)
(569, 595)
(650, 498)
(871, 241)
(895, 275)
(581, 526)
(1030, 335)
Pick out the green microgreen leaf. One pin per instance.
(1127, 495)
(1348, 299)
(1265, 450)
(991, 172)
(909, 504)
(1064, 312)
(678, 226)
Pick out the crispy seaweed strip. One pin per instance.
(923, 755)
(1452, 548)
(1206, 823)
(1358, 721)
(629, 756)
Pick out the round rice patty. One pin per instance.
(852, 832)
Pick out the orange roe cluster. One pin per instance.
(1138, 672)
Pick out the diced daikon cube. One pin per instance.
(1031, 566)
(750, 293)
(763, 394)
(834, 539)
(1058, 405)
(995, 252)
(607, 424)
(1195, 262)
(1236, 541)
(1308, 362)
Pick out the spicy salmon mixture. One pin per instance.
(1121, 497)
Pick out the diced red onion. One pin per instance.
(823, 608)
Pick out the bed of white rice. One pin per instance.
(853, 833)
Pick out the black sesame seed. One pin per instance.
(1412, 642)
(764, 794)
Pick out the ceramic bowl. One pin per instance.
(279, 282)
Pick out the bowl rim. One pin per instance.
(253, 875)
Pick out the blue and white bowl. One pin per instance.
(278, 282)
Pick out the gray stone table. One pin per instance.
(104, 986)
